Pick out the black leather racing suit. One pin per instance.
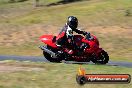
(66, 32)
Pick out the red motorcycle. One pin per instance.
(90, 50)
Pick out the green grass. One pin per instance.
(57, 75)
(28, 49)
(96, 13)
(107, 13)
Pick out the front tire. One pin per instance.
(102, 59)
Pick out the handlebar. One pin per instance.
(89, 37)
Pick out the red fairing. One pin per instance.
(48, 39)
(94, 45)
(95, 39)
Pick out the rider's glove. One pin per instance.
(86, 33)
(89, 37)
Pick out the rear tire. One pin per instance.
(49, 57)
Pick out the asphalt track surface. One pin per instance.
(42, 59)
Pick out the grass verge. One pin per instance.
(56, 75)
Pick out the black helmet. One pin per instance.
(72, 22)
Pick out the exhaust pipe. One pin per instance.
(48, 51)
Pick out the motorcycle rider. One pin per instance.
(67, 33)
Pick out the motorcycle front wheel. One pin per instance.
(102, 59)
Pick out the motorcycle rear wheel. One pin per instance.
(49, 57)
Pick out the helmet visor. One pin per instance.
(74, 24)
